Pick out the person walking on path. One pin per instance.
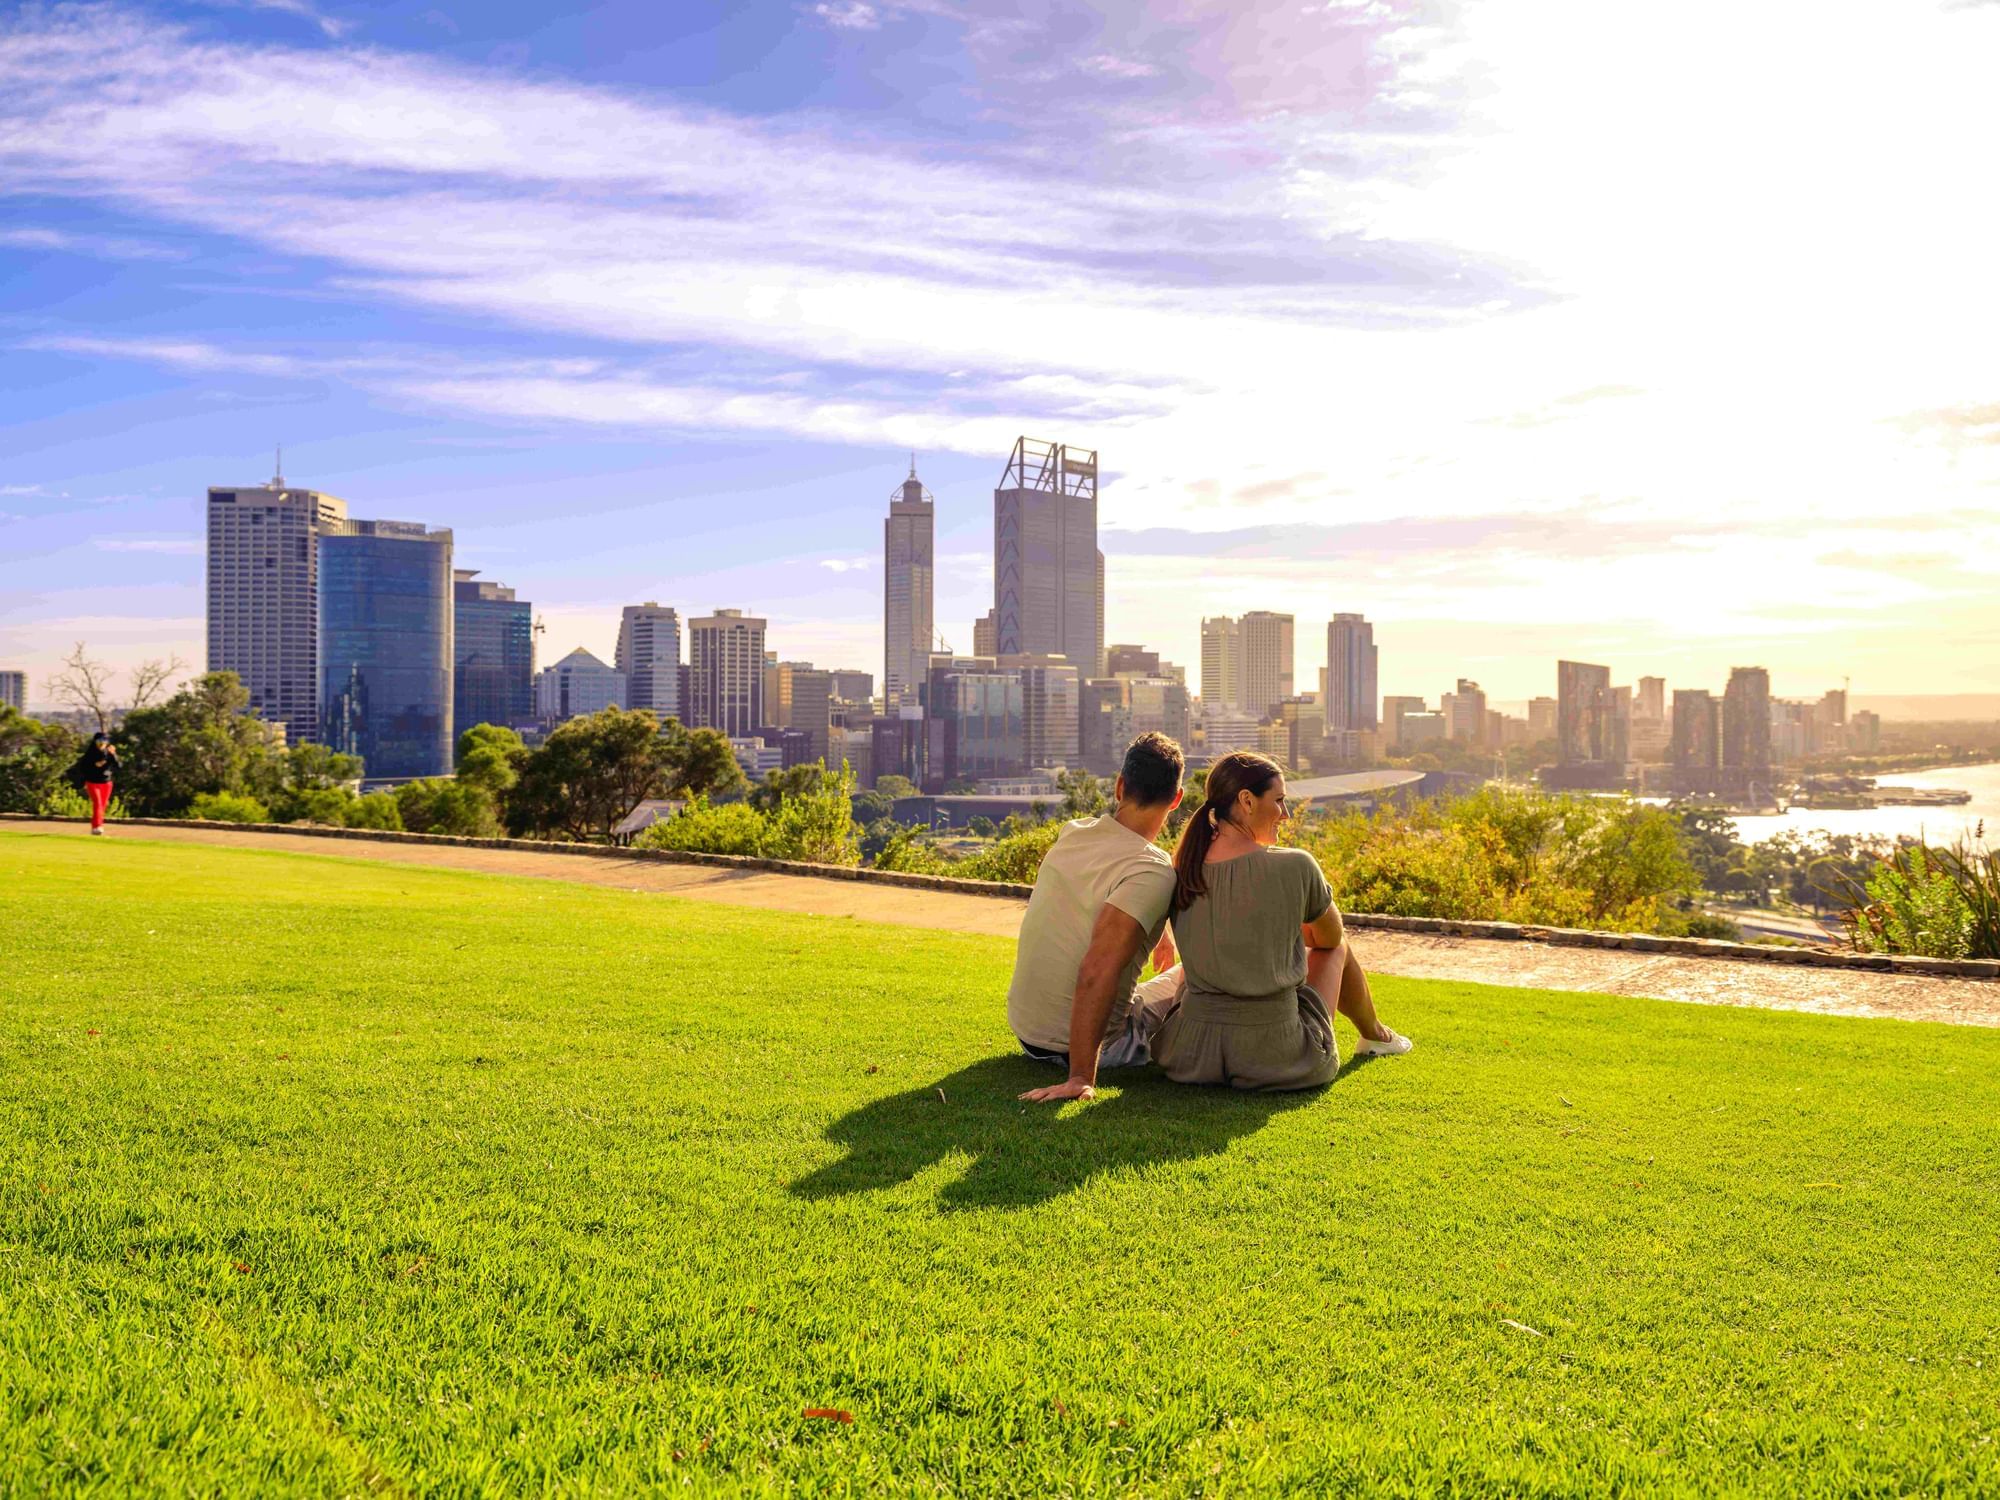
(96, 767)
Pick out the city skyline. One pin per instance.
(1427, 380)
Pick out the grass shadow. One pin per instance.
(1025, 1154)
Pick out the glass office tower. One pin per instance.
(385, 647)
(493, 672)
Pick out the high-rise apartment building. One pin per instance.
(1350, 674)
(649, 654)
(1047, 572)
(1695, 752)
(493, 653)
(974, 721)
(578, 684)
(726, 672)
(1650, 701)
(1541, 719)
(1221, 662)
(1127, 658)
(1394, 707)
(812, 711)
(1583, 708)
(1746, 731)
(14, 691)
(1267, 660)
(1465, 713)
(263, 596)
(853, 687)
(386, 616)
(1051, 697)
(908, 572)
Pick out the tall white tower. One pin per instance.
(908, 608)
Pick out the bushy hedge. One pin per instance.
(812, 823)
(228, 807)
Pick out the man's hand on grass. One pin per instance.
(1058, 1093)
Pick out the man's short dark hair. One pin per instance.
(1152, 769)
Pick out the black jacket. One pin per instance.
(97, 763)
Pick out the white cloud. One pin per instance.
(846, 564)
(1273, 290)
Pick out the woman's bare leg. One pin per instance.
(1337, 972)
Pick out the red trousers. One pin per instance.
(99, 793)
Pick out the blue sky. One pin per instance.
(1653, 336)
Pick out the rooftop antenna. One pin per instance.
(278, 471)
(913, 463)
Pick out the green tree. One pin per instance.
(705, 828)
(491, 756)
(700, 763)
(1083, 794)
(893, 786)
(202, 739)
(816, 824)
(314, 788)
(591, 772)
(981, 827)
(34, 758)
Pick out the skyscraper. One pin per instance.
(986, 635)
(14, 691)
(493, 654)
(1047, 572)
(1137, 660)
(908, 622)
(726, 672)
(1267, 660)
(1350, 674)
(649, 654)
(1394, 708)
(385, 646)
(263, 596)
(1465, 713)
(1746, 731)
(1221, 663)
(1696, 751)
(1051, 691)
(1583, 708)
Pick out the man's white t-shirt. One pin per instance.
(1093, 860)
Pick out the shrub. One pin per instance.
(703, 827)
(1914, 904)
(376, 810)
(326, 805)
(816, 823)
(906, 850)
(65, 801)
(228, 807)
(442, 805)
(1015, 856)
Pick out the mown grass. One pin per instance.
(321, 1176)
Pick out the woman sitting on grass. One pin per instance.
(1260, 943)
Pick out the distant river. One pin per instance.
(1938, 825)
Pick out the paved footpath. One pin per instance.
(1703, 981)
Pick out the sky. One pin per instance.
(1661, 336)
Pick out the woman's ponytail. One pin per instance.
(1238, 771)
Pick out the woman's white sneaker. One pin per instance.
(1392, 1045)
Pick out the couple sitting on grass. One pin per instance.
(1261, 945)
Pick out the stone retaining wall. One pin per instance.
(1638, 942)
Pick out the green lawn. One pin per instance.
(327, 1177)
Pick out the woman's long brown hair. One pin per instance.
(1238, 771)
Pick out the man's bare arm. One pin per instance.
(1115, 940)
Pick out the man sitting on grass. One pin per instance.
(1100, 903)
